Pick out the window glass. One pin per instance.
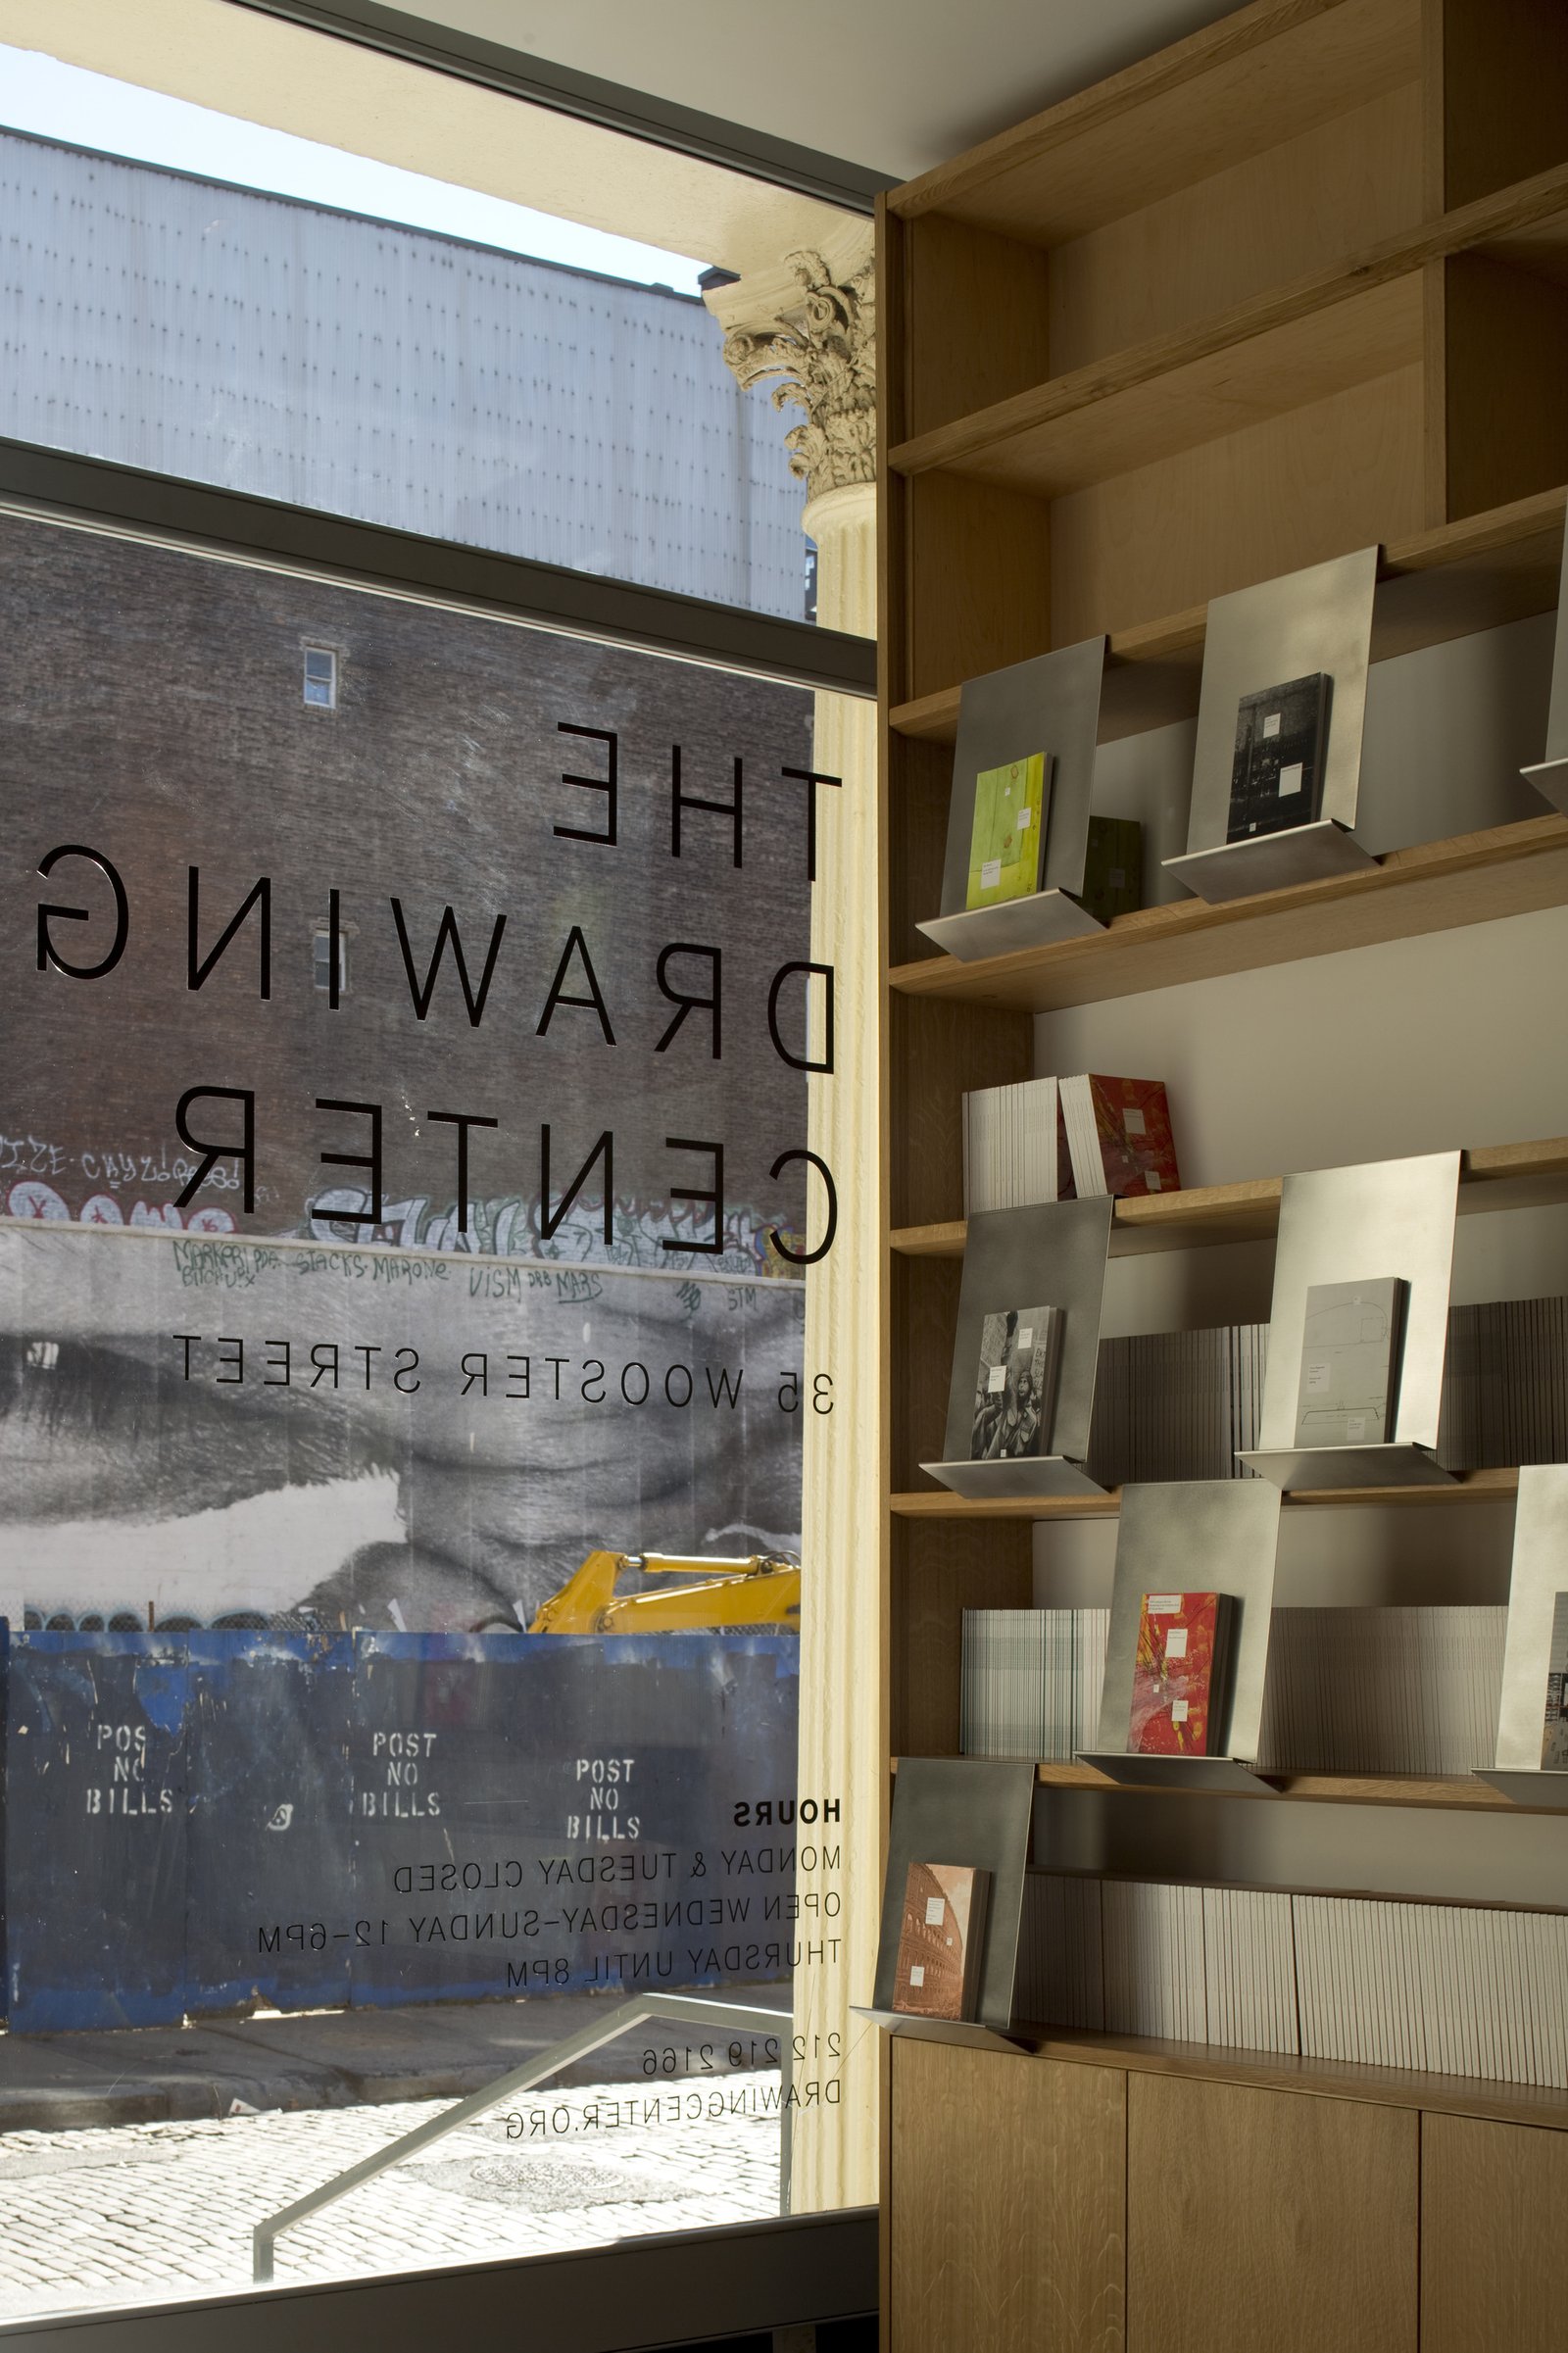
(400, 1418)
(230, 302)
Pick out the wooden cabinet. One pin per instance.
(1268, 2220)
(1009, 2193)
(1493, 2205)
(1215, 2204)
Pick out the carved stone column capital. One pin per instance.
(811, 324)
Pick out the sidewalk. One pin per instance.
(322, 2059)
(93, 2218)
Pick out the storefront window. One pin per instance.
(404, 1195)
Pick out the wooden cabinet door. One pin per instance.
(1494, 2204)
(1269, 2220)
(1007, 2184)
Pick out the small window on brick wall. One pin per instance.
(321, 678)
(321, 960)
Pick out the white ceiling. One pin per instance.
(893, 84)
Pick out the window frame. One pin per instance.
(662, 121)
(695, 2284)
(329, 655)
(237, 527)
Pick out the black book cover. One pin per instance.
(1277, 773)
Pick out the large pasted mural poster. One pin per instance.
(400, 1278)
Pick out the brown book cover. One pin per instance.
(941, 1940)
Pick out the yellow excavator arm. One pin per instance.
(762, 1590)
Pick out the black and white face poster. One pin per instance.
(405, 1203)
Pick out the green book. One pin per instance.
(1005, 843)
(1113, 867)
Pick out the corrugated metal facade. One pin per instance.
(381, 373)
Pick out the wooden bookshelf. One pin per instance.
(1291, 288)
(1296, 286)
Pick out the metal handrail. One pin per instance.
(688, 2009)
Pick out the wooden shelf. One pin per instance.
(1254, 81)
(1450, 1790)
(1329, 2079)
(1278, 351)
(940, 1504)
(1437, 886)
(1495, 1176)
(1487, 569)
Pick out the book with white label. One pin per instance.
(1351, 1340)
(1015, 1384)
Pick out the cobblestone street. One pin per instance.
(134, 2213)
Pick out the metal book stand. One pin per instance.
(1050, 706)
(1053, 1255)
(1348, 1225)
(1192, 1535)
(1538, 1575)
(1549, 776)
(1319, 620)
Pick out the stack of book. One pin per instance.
(1061, 1970)
(1249, 1970)
(1181, 1404)
(1410, 1691)
(1015, 1147)
(1047, 1138)
(1177, 1404)
(1031, 1680)
(1505, 1385)
(1448, 1989)
(1151, 1940)
(1452, 1990)
(1382, 1691)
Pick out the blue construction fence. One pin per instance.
(212, 1821)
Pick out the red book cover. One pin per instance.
(941, 1940)
(1178, 1673)
(1132, 1124)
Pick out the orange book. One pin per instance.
(941, 1940)
(1179, 1675)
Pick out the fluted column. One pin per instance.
(806, 329)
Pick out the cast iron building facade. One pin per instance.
(282, 348)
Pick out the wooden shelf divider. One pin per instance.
(1281, 349)
(1449, 1791)
(1329, 2079)
(940, 1504)
(1494, 1176)
(1436, 886)
(1257, 78)
(1477, 573)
